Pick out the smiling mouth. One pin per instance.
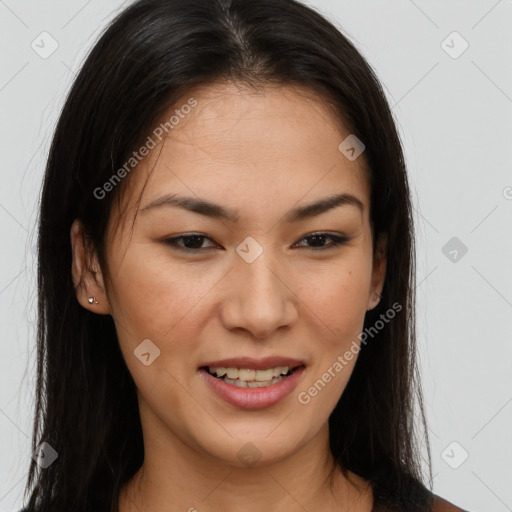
(250, 378)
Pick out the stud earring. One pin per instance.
(92, 300)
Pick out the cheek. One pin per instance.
(154, 299)
(338, 297)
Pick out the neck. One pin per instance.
(175, 477)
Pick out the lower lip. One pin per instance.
(253, 398)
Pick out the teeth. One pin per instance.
(264, 375)
(252, 384)
(281, 370)
(236, 382)
(232, 373)
(248, 375)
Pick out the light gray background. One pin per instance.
(454, 116)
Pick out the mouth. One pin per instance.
(252, 384)
(250, 377)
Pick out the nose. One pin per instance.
(259, 299)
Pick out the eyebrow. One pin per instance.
(209, 209)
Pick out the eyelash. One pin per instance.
(336, 241)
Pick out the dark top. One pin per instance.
(438, 505)
(412, 496)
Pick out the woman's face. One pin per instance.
(255, 291)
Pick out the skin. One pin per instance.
(261, 154)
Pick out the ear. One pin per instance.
(378, 272)
(86, 272)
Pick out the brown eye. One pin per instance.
(190, 242)
(317, 240)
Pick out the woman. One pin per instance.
(226, 274)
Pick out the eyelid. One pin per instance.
(337, 240)
(172, 241)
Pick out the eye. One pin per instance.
(193, 242)
(190, 242)
(318, 238)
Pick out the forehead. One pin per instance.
(250, 149)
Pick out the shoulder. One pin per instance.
(441, 505)
(411, 495)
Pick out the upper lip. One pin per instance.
(254, 364)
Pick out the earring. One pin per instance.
(92, 300)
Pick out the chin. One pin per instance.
(251, 451)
